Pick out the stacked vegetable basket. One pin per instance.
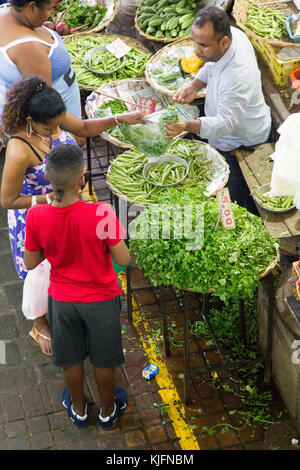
(265, 27)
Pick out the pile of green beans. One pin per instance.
(135, 62)
(166, 173)
(126, 173)
(266, 22)
(274, 203)
(103, 61)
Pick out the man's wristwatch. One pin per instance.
(48, 199)
(33, 200)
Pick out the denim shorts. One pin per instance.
(79, 330)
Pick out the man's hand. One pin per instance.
(175, 128)
(185, 95)
(132, 118)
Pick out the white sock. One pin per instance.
(80, 417)
(108, 417)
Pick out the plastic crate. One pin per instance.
(280, 69)
(295, 78)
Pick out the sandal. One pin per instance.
(34, 333)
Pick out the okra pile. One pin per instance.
(167, 18)
(126, 173)
(135, 62)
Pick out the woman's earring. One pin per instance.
(28, 129)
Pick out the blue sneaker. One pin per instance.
(121, 401)
(66, 401)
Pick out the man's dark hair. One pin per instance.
(64, 167)
(217, 17)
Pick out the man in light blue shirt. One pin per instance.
(235, 110)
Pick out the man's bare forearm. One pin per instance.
(193, 126)
(197, 84)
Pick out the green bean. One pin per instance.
(273, 202)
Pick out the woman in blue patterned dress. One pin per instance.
(34, 116)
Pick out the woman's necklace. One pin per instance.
(49, 142)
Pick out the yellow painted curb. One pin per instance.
(167, 389)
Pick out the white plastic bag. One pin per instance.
(285, 179)
(35, 291)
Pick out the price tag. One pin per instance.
(118, 48)
(226, 212)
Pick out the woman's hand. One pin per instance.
(132, 118)
(174, 128)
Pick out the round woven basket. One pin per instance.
(221, 4)
(106, 135)
(104, 22)
(124, 197)
(131, 42)
(156, 58)
(153, 38)
(239, 13)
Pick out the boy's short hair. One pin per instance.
(64, 167)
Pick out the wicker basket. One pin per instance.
(106, 135)
(126, 39)
(224, 4)
(108, 18)
(153, 38)
(280, 69)
(239, 13)
(221, 181)
(156, 57)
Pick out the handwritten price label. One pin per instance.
(224, 202)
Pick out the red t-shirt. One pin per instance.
(75, 240)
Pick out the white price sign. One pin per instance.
(226, 212)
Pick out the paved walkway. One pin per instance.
(31, 414)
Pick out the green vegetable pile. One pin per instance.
(113, 107)
(167, 18)
(229, 261)
(266, 22)
(275, 203)
(150, 138)
(168, 73)
(166, 173)
(110, 108)
(103, 61)
(126, 173)
(135, 62)
(79, 13)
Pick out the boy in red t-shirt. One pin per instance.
(79, 239)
